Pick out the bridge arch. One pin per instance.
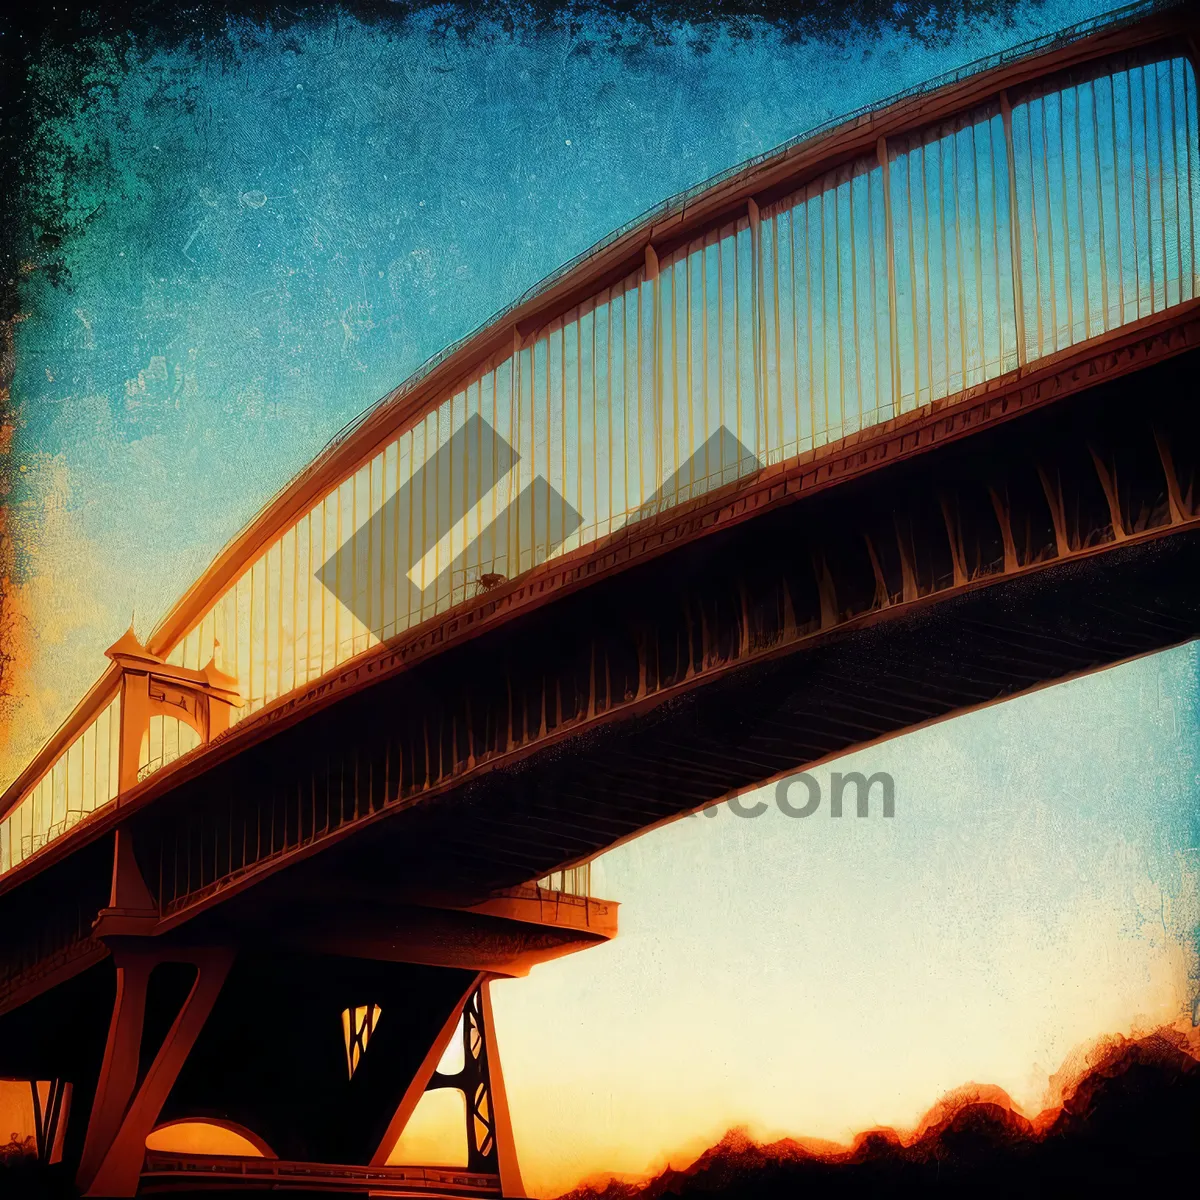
(892, 263)
(208, 1135)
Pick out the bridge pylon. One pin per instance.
(151, 687)
(131, 1090)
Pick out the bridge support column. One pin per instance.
(490, 1145)
(136, 1078)
(506, 1149)
(51, 1107)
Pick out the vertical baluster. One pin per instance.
(881, 152)
(1014, 231)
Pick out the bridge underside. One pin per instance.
(784, 714)
(316, 1059)
(1050, 545)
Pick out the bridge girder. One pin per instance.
(544, 742)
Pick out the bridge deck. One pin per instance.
(984, 247)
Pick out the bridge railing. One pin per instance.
(961, 251)
(573, 881)
(81, 780)
(943, 257)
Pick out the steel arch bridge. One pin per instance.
(895, 421)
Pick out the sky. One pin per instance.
(1037, 889)
(239, 242)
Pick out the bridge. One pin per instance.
(891, 423)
